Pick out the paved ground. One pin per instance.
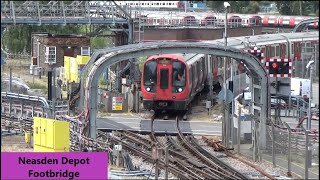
(160, 126)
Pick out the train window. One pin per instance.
(263, 50)
(272, 51)
(164, 4)
(150, 73)
(178, 74)
(164, 60)
(157, 3)
(164, 80)
(169, 3)
(142, 4)
(277, 51)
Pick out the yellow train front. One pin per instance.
(170, 81)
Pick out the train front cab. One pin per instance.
(164, 84)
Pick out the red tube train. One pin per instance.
(170, 81)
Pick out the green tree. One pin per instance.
(216, 5)
(17, 39)
(253, 7)
(296, 7)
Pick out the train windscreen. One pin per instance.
(179, 74)
(164, 81)
(150, 73)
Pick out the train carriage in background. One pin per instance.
(207, 19)
(232, 20)
(188, 20)
(251, 20)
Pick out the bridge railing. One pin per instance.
(38, 11)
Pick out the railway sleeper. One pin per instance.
(175, 145)
(187, 168)
(212, 166)
(136, 141)
(222, 165)
(147, 157)
(138, 136)
(177, 154)
(195, 151)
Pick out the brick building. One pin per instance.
(50, 49)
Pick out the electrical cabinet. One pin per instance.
(51, 135)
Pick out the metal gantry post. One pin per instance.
(239, 128)
(273, 144)
(225, 126)
(53, 93)
(289, 149)
(10, 88)
(310, 99)
(306, 165)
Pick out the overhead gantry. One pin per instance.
(95, 67)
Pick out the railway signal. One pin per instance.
(256, 52)
(279, 67)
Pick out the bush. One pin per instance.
(36, 86)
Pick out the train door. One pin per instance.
(265, 20)
(297, 50)
(164, 88)
(292, 21)
(268, 51)
(161, 21)
(281, 21)
(283, 51)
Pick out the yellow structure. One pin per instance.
(27, 137)
(83, 59)
(50, 135)
(72, 66)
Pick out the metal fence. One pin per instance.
(294, 149)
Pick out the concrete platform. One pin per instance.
(139, 124)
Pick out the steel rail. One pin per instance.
(148, 157)
(221, 171)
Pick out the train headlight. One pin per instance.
(148, 89)
(179, 89)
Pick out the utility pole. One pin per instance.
(310, 65)
(10, 88)
(226, 121)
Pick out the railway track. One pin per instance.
(145, 154)
(216, 168)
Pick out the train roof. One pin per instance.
(187, 58)
(266, 39)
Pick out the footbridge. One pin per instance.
(63, 12)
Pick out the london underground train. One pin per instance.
(171, 81)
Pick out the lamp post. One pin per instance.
(310, 66)
(225, 125)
